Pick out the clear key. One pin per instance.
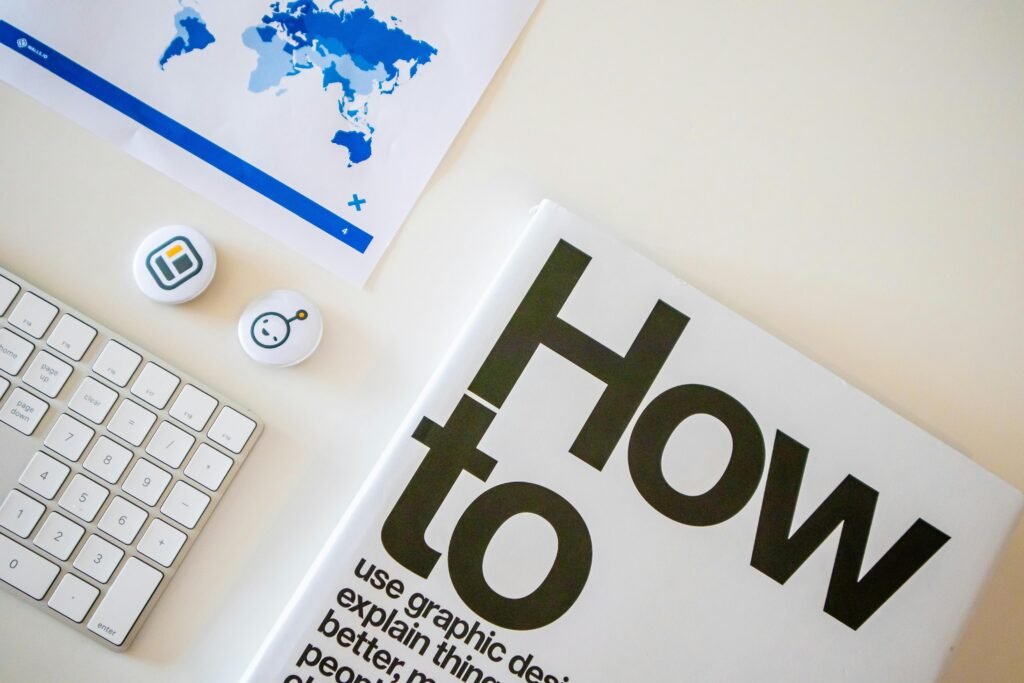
(93, 400)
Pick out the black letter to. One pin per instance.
(560, 587)
(536, 322)
(452, 450)
(851, 504)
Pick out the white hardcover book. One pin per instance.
(614, 478)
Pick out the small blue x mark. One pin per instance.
(357, 202)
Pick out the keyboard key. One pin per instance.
(19, 513)
(68, 437)
(14, 351)
(71, 337)
(107, 460)
(93, 400)
(170, 445)
(208, 467)
(146, 482)
(44, 475)
(185, 504)
(33, 315)
(23, 411)
(131, 422)
(125, 600)
(193, 407)
(73, 598)
(83, 498)
(231, 429)
(25, 570)
(161, 542)
(98, 558)
(155, 385)
(47, 374)
(122, 520)
(8, 290)
(58, 536)
(117, 363)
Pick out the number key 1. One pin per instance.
(19, 513)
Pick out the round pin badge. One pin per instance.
(280, 328)
(174, 264)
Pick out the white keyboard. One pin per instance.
(111, 462)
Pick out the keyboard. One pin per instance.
(111, 463)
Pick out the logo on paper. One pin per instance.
(22, 43)
(174, 263)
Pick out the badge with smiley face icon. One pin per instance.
(280, 328)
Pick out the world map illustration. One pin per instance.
(354, 52)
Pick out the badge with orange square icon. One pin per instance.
(174, 264)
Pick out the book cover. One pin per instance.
(613, 477)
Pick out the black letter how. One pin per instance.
(850, 599)
(651, 433)
(536, 322)
(451, 451)
(560, 588)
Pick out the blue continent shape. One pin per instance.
(352, 50)
(192, 34)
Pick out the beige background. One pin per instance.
(850, 176)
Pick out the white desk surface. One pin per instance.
(848, 175)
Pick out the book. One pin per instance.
(612, 477)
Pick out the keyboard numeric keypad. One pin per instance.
(118, 481)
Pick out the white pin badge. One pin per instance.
(174, 264)
(280, 328)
